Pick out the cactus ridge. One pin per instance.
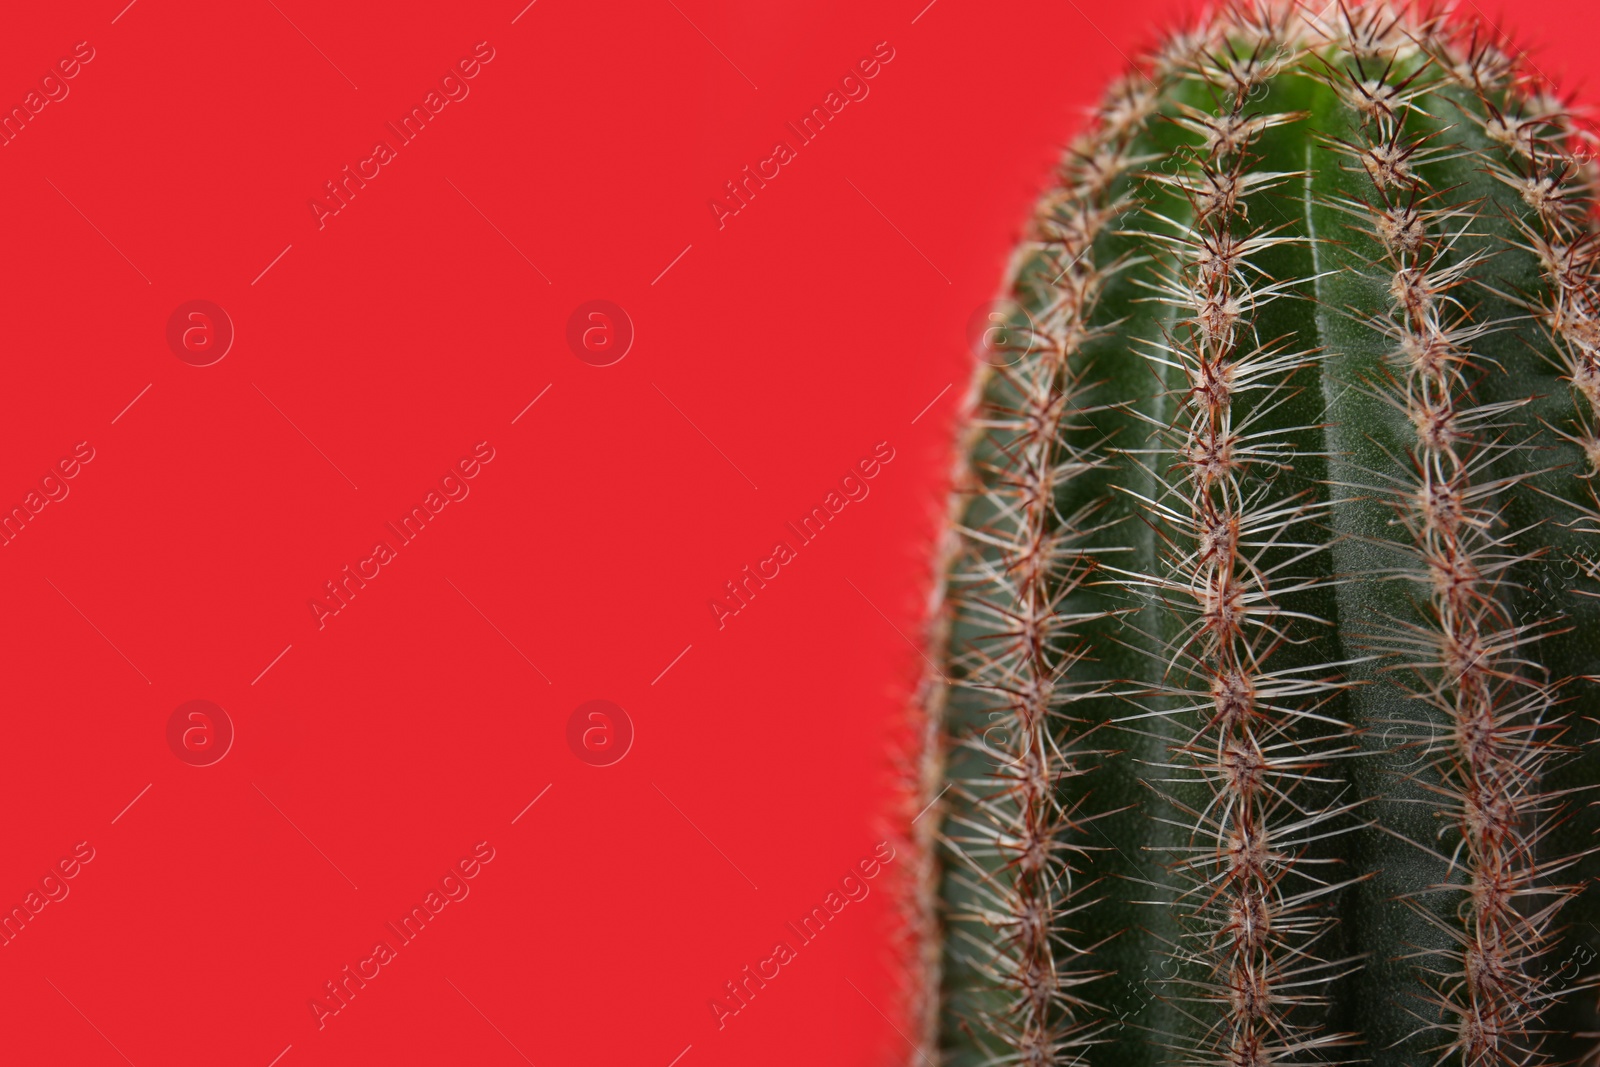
(1468, 658)
(1270, 598)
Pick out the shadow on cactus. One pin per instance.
(1270, 603)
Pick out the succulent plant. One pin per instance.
(1269, 626)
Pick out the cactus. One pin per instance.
(1269, 622)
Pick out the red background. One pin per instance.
(818, 322)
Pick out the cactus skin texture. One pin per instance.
(1269, 606)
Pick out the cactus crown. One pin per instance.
(1270, 595)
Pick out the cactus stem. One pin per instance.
(1247, 597)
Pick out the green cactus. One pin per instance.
(1269, 635)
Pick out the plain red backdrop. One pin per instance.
(374, 353)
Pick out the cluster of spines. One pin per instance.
(1238, 551)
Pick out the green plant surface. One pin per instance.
(1270, 609)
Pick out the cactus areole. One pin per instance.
(1269, 626)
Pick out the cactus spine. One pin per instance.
(1270, 609)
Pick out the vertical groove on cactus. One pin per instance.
(1270, 599)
